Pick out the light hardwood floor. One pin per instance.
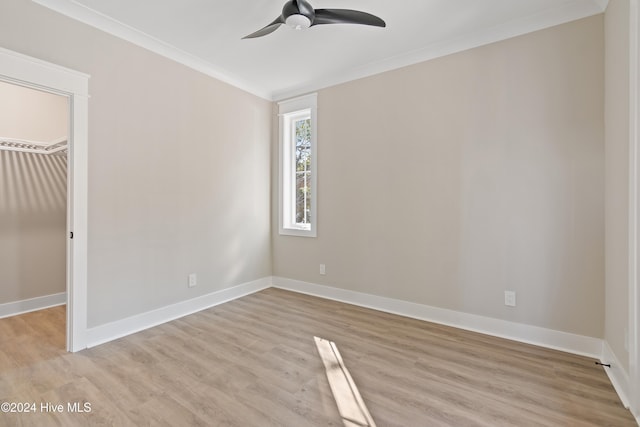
(253, 362)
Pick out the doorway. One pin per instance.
(34, 128)
(26, 71)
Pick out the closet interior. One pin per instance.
(33, 199)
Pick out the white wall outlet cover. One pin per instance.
(510, 298)
(323, 270)
(193, 280)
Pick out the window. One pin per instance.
(298, 173)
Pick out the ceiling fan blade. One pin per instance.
(266, 30)
(301, 7)
(346, 16)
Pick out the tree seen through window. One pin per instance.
(303, 171)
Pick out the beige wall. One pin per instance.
(33, 189)
(32, 114)
(448, 182)
(443, 183)
(33, 218)
(617, 176)
(178, 168)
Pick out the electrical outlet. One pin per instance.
(323, 270)
(193, 280)
(510, 298)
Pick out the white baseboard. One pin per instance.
(120, 328)
(32, 304)
(557, 340)
(618, 377)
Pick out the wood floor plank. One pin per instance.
(253, 362)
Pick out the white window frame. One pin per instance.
(289, 111)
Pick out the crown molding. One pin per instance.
(95, 19)
(602, 4)
(567, 12)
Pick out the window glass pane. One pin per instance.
(298, 201)
(303, 170)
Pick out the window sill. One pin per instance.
(300, 232)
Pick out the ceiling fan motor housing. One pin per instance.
(298, 21)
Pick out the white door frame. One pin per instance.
(31, 72)
(634, 210)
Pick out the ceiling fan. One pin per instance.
(299, 14)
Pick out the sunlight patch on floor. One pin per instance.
(352, 408)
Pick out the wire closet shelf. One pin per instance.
(57, 147)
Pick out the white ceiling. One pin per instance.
(206, 35)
